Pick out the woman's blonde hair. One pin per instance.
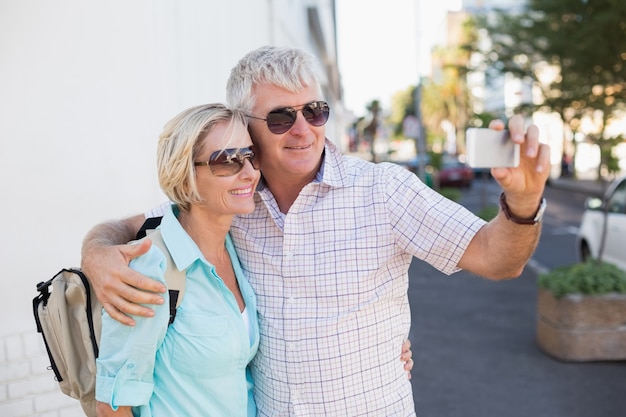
(180, 143)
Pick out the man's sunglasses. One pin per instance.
(229, 162)
(280, 120)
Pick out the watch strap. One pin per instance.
(536, 218)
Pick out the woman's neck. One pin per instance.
(207, 231)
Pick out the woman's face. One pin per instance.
(226, 194)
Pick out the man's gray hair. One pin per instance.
(289, 68)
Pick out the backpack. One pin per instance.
(68, 316)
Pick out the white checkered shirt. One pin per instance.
(331, 279)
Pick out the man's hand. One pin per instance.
(120, 289)
(524, 185)
(501, 248)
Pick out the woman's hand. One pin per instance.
(105, 410)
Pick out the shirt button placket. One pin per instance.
(293, 331)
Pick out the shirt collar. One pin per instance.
(333, 170)
(182, 248)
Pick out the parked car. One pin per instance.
(414, 163)
(455, 173)
(605, 218)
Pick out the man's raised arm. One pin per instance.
(502, 248)
(105, 258)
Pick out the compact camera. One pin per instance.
(488, 148)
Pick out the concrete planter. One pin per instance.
(582, 328)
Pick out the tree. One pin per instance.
(444, 96)
(371, 129)
(402, 105)
(582, 44)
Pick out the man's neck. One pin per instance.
(286, 188)
(285, 193)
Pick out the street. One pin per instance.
(473, 340)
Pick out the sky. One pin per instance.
(379, 52)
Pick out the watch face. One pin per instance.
(542, 209)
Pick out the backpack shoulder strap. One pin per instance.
(174, 278)
(148, 226)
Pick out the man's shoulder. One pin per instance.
(384, 171)
(158, 211)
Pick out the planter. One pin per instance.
(582, 327)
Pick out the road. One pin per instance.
(561, 220)
(474, 340)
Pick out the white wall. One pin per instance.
(85, 88)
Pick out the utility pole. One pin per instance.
(420, 136)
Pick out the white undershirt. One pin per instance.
(246, 320)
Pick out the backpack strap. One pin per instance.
(148, 226)
(174, 278)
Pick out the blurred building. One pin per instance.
(479, 6)
(86, 89)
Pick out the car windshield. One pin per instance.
(617, 201)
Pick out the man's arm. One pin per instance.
(105, 258)
(502, 248)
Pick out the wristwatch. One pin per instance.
(510, 216)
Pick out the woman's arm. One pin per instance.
(127, 356)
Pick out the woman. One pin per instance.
(198, 365)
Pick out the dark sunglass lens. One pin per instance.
(316, 113)
(231, 161)
(223, 165)
(252, 158)
(279, 121)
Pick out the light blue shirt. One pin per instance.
(198, 365)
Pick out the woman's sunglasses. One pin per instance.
(280, 120)
(228, 162)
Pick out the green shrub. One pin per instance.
(588, 278)
(450, 193)
(487, 213)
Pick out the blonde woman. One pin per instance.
(197, 366)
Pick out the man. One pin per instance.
(328, 247)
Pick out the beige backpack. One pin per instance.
(68, 316)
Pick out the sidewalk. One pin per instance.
(593, 188)
(476, 355)
(475, 348)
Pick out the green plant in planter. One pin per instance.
(587, 278)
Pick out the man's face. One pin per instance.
(293, 156)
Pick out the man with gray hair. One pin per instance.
(328, 247)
